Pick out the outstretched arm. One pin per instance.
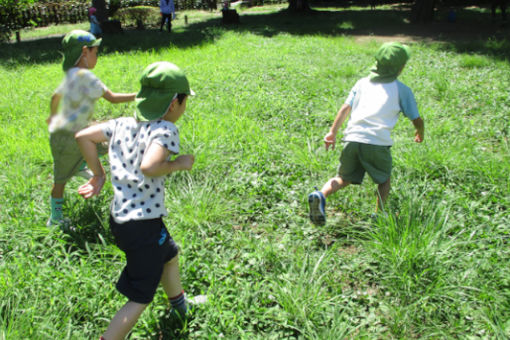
(419, 134)
(155, 163)
(330, 138)
(87, 140)
(118, 97)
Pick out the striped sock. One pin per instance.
(56, 209)
(179, 304)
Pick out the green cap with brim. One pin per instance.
(390, 59)
(72, 46)
(160, 81)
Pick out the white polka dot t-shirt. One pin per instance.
(137, 197)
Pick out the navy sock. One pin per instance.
(179, 304)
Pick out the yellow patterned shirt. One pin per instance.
(79, 90)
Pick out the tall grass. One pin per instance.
(437, 266)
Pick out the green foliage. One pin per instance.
(134, 3)
(113, 7)
(10, 11)
(437, 266)
(15, 3)
(17, 15)
(138, 15)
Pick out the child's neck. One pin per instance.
(82, 64)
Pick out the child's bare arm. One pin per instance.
(419, 134)
(87, 140)
(155, 163)
(55, 100)
(330, 138)
(118, 97)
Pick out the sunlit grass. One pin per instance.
(267, 91)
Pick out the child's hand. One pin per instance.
(418, 136)
(185, 161)
(92, 187)
(330, 140)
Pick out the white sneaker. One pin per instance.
(197, 300)
(64, 224)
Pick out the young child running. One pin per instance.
(139, 151)
(95, 26)
(78, 93)
(375, 102)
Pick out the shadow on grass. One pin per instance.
(169, 327)
(473, 32)
(89, 222)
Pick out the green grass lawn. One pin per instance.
(438, 266)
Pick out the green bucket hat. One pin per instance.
(390, 58)
(72, 46)
(160, 81)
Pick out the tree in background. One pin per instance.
(423, 11)
(101, 12)
(10, 17)
(299, 5)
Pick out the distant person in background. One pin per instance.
(167, 9)
(374, 4)
(95, 27)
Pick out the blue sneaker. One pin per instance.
(317, 203)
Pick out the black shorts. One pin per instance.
(148, 246)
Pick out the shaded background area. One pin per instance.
(473, 31)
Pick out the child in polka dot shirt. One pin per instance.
(139, 151)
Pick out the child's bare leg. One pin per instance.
(333, 185)
(171, 280)
(57, 191)
(383, 190)
(124, 320)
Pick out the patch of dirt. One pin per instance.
(438, 32)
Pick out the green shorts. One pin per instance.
(67, 158)
(358, 158)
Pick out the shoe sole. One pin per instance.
(316, 215)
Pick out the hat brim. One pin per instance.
(96, 42)
(72, 57)
(152, 104)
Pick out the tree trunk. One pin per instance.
(299, 5)
(423, 11)
(101, 13)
